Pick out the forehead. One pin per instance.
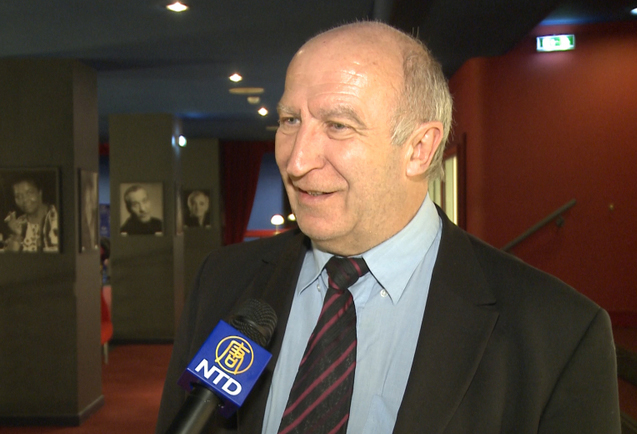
(137, 195)
(25, 186)
(344, 67)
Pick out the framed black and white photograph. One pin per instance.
(141, 208)
(29, 210)
(196, 208)
(89, 216)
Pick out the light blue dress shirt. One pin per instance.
(390, 302)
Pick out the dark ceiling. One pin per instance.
(150, 60)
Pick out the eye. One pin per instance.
(339, 131)
(288, 120)
(337, 126)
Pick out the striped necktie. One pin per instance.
(320, 398)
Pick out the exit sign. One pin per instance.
(555, 43)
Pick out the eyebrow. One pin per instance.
(340, 111)
(343, 111)
(282, 108)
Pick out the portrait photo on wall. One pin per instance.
(141, 208)
(29, 210)
(196, 208)
(89, 216)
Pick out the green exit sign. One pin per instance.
(555, 43)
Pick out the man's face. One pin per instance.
(139, 205)
(199, 205)
(27, 197)
(345, 180)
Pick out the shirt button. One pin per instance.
(383, 293)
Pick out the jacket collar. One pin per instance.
(457, 324)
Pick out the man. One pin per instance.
(138, 206)
(453, 336)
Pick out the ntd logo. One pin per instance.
(229, 364)
(234, 355)
(230, 386)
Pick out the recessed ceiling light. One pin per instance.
(177, 7)
(235, 77)
(246, 90)
(634, 11)
(263, 111)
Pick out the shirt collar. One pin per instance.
(392, 262)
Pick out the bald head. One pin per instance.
(421, 91)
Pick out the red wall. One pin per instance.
(544, 128)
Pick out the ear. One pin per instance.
(423, 144)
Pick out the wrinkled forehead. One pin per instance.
(349, 57)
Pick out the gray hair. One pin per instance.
(425, 95)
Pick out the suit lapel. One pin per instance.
(458, 321)
(274, 284)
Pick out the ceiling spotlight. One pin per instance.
(182, 141)
(254, 99)
(634, 11)
(263, 111)
(235, 78)
(177, 7)
(292, 217)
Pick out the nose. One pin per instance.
(307, 151)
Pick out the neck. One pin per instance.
(359, 243)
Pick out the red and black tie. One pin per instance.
(320, 398)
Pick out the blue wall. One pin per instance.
(104, 181)
(269, 196)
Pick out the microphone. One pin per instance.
(227, 366)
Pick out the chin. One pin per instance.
(323, 233)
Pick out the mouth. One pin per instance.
(313, 193)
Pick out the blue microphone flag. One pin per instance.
(228, 363)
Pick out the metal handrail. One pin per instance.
(555, 215)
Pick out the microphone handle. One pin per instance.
(196, 411)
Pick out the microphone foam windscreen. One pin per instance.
(256, 319)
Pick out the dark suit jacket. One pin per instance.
(503, 347)
(133, 226)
